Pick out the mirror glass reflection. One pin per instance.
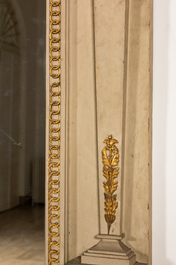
(22, 131)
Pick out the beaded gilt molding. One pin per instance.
(54, 133)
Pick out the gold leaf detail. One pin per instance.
(110, 158)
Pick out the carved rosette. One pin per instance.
(110, 159)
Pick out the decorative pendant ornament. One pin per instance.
(110, 248)
(110, 159)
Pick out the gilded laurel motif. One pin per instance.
(110, 159)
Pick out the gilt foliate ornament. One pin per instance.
(110, 159)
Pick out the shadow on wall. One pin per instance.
(131, 219)
(160, 94)
(136, 183)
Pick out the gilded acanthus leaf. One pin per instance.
(115, 172)
(110, 141)
(105, 159)
(115, 160)
(110, 171)
(105, 172)
(113, 190)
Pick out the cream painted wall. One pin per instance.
(137, 165)
(78, 113)
(164, 133)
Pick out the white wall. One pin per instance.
(164, 133)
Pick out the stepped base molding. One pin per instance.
(110, 250)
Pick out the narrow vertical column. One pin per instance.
(109, 23)
(110, 40)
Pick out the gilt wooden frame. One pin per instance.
(53, 58)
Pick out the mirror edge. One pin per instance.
(47, 132)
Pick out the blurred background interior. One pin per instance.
(22, 128)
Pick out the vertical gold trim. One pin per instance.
(54, 133)
(110, 172)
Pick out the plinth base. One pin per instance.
(109, 251)
(77, 261)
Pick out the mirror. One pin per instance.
(22, 131)
(22, 119)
